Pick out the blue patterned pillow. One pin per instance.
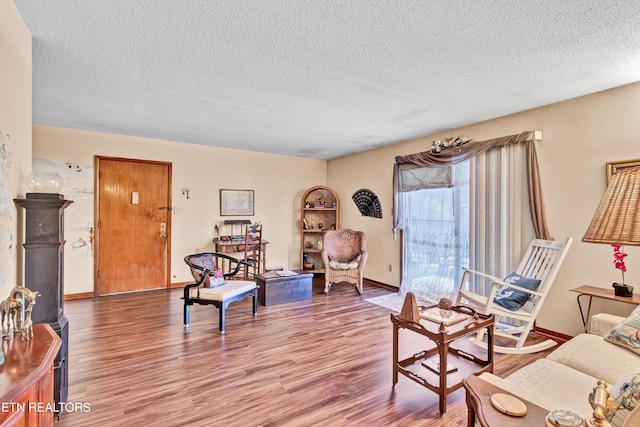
(514, 299)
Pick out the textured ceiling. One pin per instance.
(317, 78)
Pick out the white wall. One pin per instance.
(579, 137)
(278, 182)
(15, 140)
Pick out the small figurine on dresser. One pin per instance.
(16, 312)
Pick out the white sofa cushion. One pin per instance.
(596, 357)
(223, 292)
(533, 396)
(561, 386)
(602, 323)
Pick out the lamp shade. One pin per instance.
(617, 219)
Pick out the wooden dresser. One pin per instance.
(26, 379)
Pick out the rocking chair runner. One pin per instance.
(541, 262)
(202, 268)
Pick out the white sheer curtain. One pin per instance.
(480, 220)
(435, 230)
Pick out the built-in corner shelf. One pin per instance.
(319, 212)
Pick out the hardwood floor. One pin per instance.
(321, 362)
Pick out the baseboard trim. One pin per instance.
(380, 284)
(178, 285)
(80, 295)
(552, 334)
(83, 295)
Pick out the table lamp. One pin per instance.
(617, 219)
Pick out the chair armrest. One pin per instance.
(325, 258)
(363, 258)
(496, 282)
(188, 287)
(602, 323)
(479, 273)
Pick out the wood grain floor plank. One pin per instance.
(320, 362)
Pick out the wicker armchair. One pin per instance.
(344, 255)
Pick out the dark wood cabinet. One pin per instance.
(44, 272)
(26, 389)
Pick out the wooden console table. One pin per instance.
(603, 293)
(481, 410)
(465, 363)
(26, 379)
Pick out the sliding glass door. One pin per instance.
(435, 236)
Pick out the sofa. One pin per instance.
(564, 379)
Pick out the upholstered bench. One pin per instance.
(202, 267)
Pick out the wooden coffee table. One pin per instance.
(480, 409)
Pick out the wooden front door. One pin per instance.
(133, 218)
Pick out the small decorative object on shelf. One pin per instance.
(409, 312)
(442, 313)
(508, 404)
(602, 404)
(11, 311)
(563, 418)
(438, 145)
(320, 203)
(621, 289)
(44, 182)
(320, 226)
(307, 205)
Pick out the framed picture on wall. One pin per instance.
(236, 203)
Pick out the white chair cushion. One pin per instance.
(596, 357)
(223, 292)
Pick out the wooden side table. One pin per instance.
(444, 355)
(481, 410)
(603, 293)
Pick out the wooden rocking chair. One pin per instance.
(539, 265)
